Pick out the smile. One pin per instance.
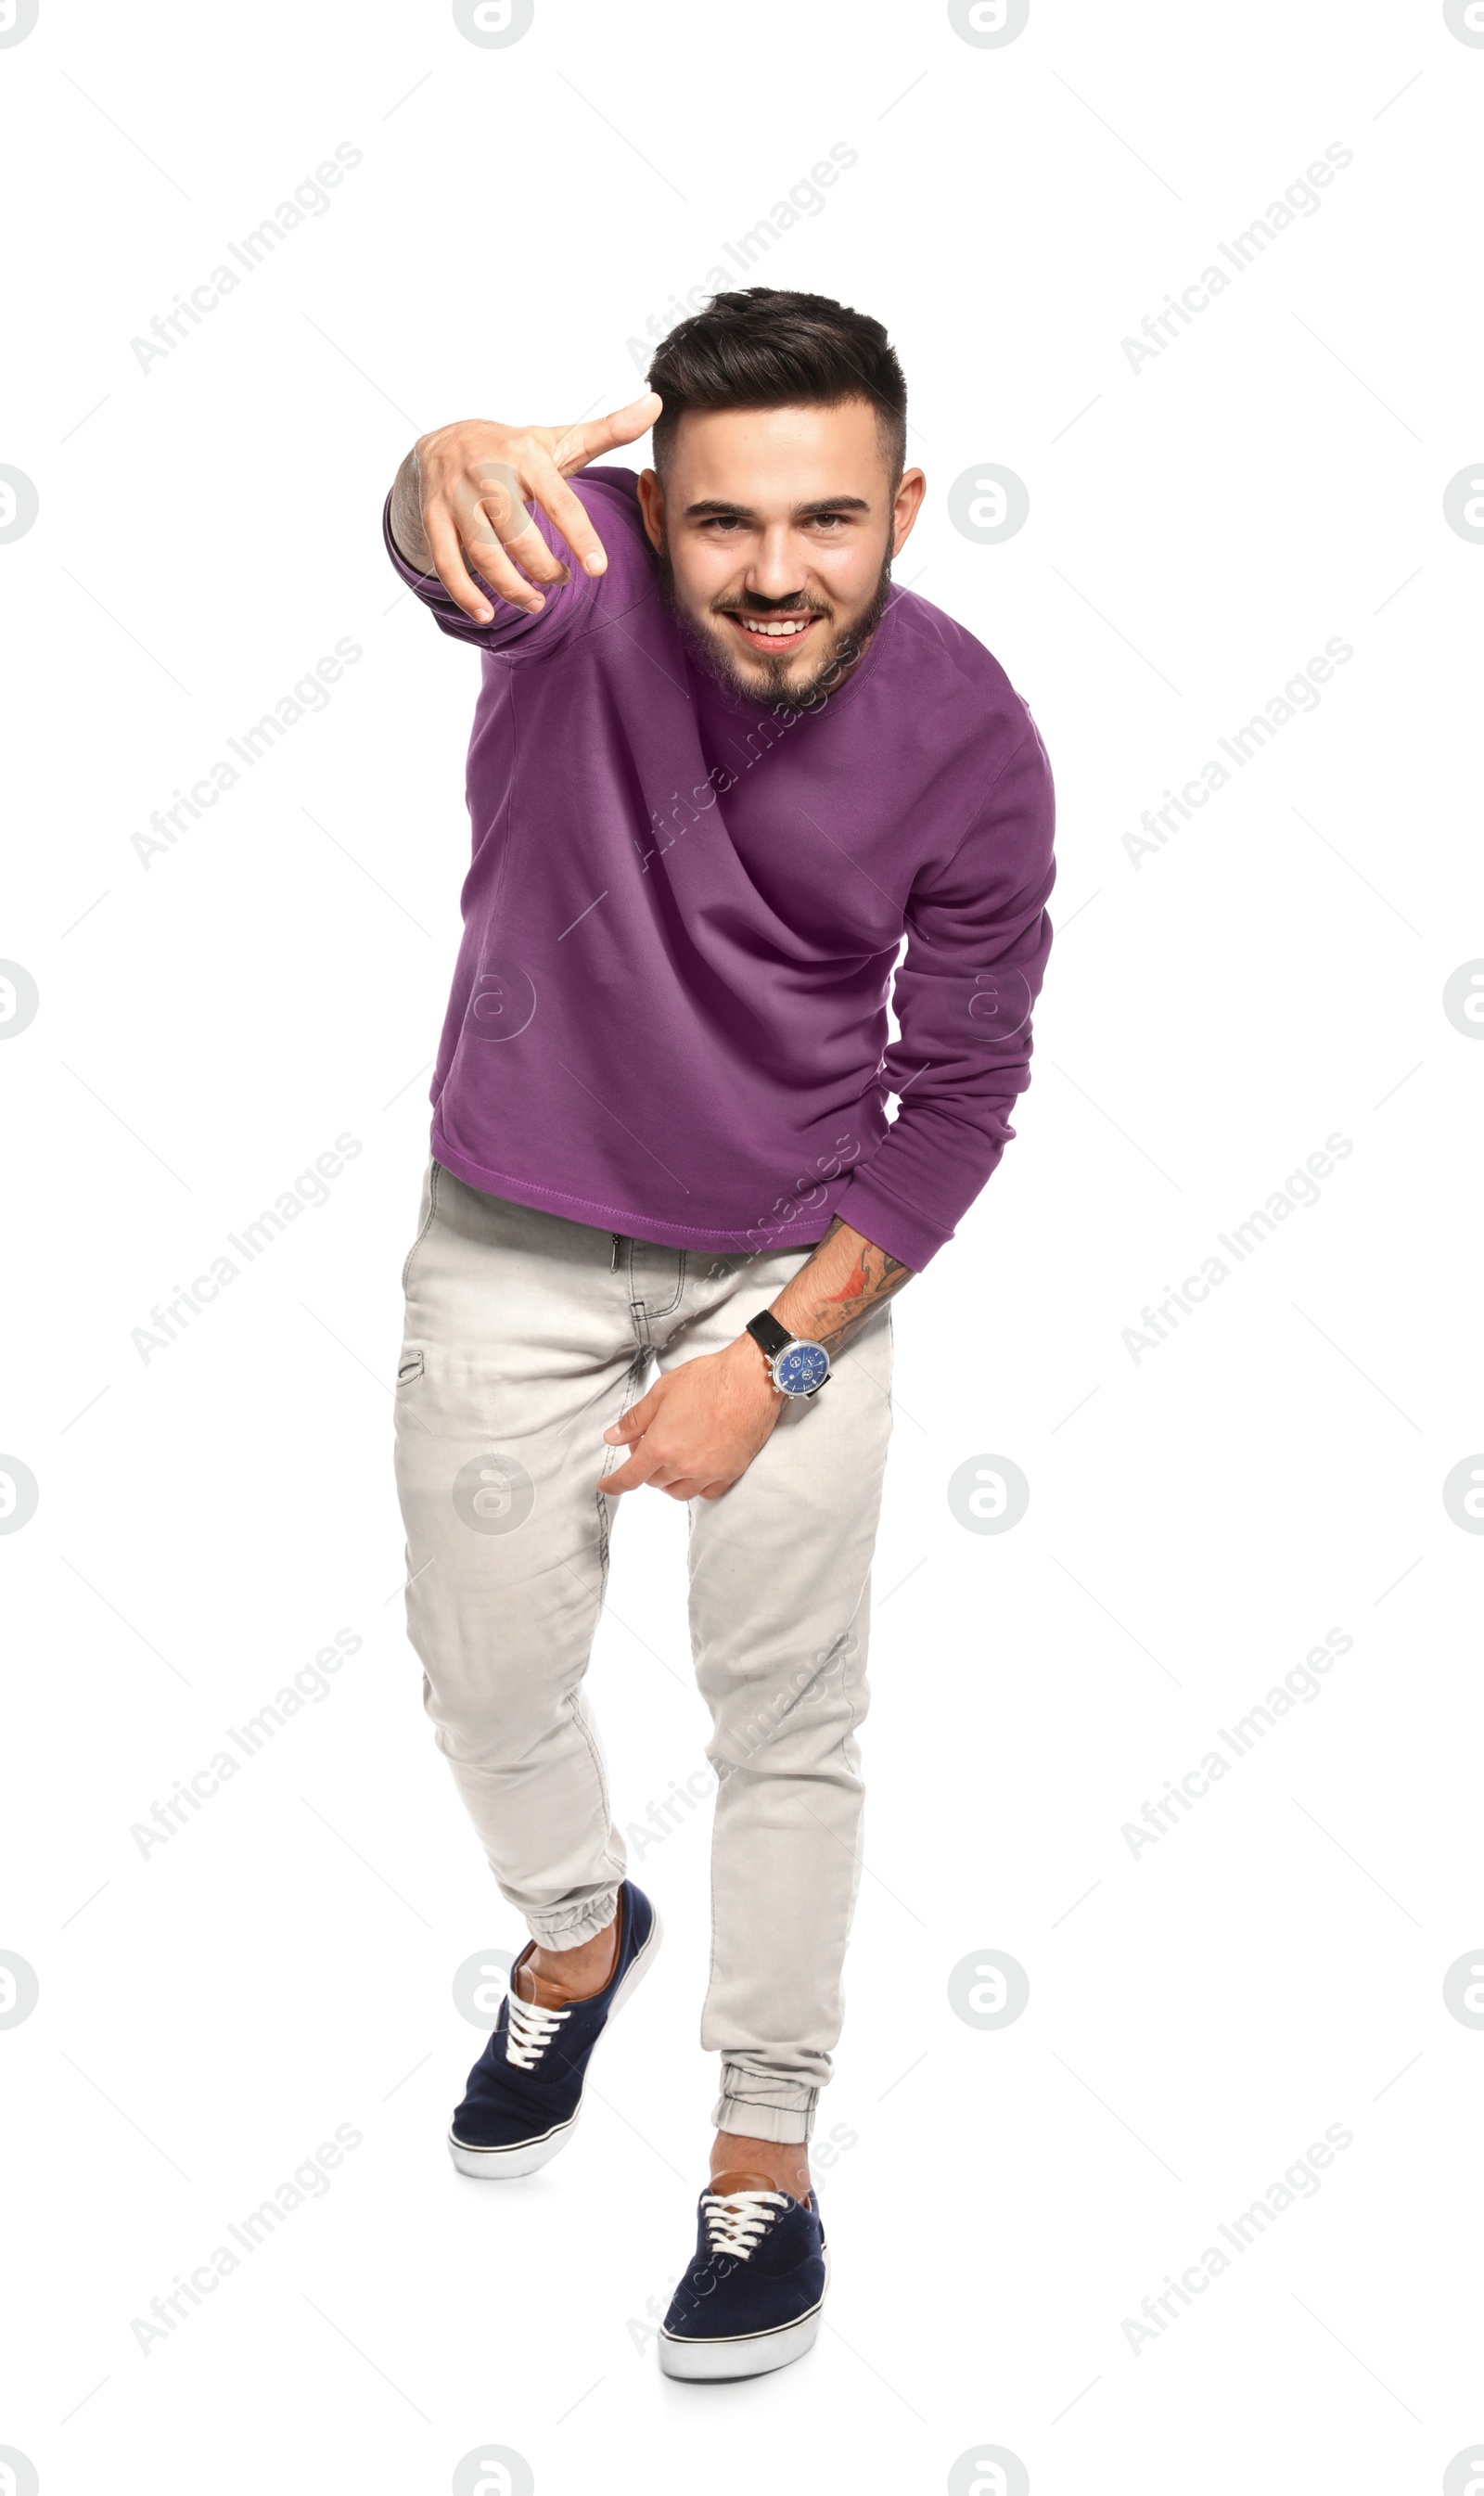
(773, 628)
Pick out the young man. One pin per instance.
(718, 768)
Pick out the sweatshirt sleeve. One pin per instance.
(978, 937)
(570, 605)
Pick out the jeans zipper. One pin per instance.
(613, 1268)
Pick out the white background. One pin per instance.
(209, 1022)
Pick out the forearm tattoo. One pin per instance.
(872, 1278)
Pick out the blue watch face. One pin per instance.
(802, 1368)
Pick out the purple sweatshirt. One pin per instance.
(681, 918)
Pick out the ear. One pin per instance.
(652, 506)
(906, 503)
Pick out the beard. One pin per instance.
(769, 683)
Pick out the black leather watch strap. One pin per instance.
(770, 1337)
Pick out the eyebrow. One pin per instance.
(712, 511)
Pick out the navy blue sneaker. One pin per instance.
(751, 2299)
(525, 2092)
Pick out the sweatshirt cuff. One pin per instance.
(901, 1229)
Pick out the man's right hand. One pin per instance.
(461, 495)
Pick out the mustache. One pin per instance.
(748, 601)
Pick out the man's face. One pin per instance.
(774, 530)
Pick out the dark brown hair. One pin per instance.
(765, 347)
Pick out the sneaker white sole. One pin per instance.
(524, 2157)
(753, 2352)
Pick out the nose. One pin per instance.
(775, 572)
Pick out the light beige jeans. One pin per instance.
(526, 1336)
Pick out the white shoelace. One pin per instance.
(737, 2222)
(531, 2031)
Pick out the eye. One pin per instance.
(833, 521)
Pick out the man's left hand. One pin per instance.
(699, 1428)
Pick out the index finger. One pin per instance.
(633, 1476)
(580, 443)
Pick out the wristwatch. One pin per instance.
(795, 1367)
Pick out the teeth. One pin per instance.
(774, 632)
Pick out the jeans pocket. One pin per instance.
(410, 1365)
